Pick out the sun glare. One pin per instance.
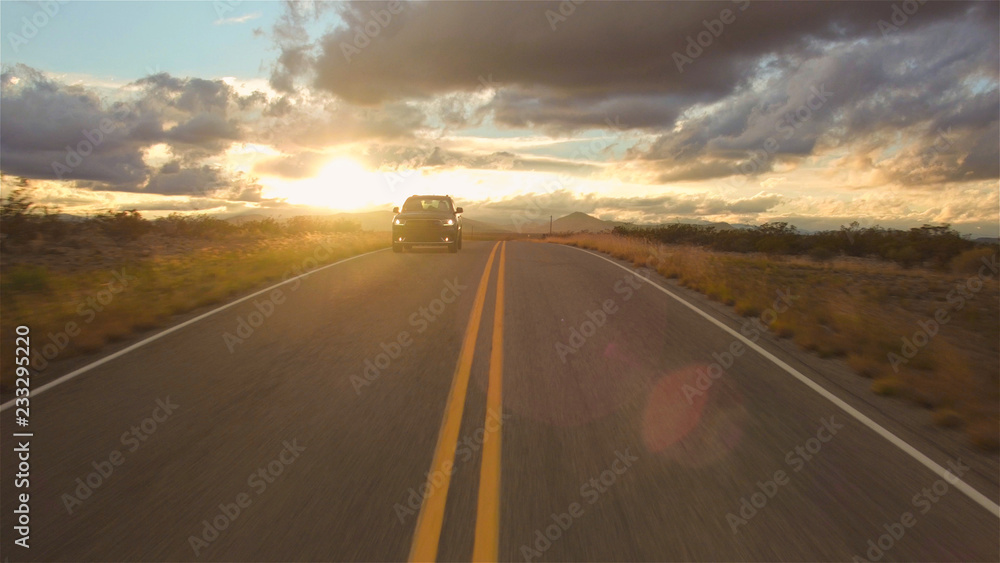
(342, 184)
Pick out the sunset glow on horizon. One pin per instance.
(804, 113)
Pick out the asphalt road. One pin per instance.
(272, 444)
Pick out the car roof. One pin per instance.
(429, 197)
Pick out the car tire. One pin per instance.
(453, 247)
(460, 242)
(397, 247)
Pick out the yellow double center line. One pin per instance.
(427, 535)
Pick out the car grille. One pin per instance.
(423, 224)
(424, 230)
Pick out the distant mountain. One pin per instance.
(246, 218)
(576, 222)
(475, 226)
(581, 222)
(278, 213)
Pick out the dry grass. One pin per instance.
(888, 386)
(947, 417)
(860, 310)
(47, 300)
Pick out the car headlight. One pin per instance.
(448, 222)
(398, 222)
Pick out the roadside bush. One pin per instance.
(193, 226)
(21, 219)
(26, 278)
(303, 224)
(935, 246)
(970, 261)
(266, 226)
(821, 253)
(123, 225)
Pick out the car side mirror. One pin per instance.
(458, 210)
(395, 210)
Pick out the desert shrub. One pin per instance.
(970, 261)
(22, 219)
(123, 226)
(15, 215)
(935, 246)
(821, 253)
(303, 224)
(193, 226)
(26, 277)
(906, 256)
(266, 226)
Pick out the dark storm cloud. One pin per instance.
(602, 50)
(557, 113)
(205, 181)
(503, 160)
(292, 38)
(45, 126)
(206, 115)
(206, 130)
(293, 61)
(900, 92)
(196, 118)
(190, 95)
(733, 106)
(50, 130)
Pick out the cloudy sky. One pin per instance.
(816, 113)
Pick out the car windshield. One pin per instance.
(427, 204)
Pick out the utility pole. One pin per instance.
(550, 225)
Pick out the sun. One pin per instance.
(341, 184)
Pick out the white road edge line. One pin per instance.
(927, 462)
(157, 336)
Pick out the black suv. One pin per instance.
(427, 220)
